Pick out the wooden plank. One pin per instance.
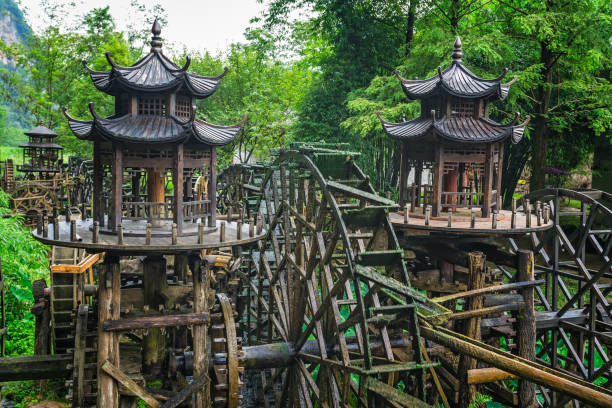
(392, 394)
(81, 267)
(182, 395)
(127, 382)
(186, 319)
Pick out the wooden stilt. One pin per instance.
(154, 285)
(476, 261)
(109, 299)
(526, 333)
(199, 331)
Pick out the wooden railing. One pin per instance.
(192, 210)
(146, 210)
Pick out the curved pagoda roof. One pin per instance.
(41, 131)
(458, 81)
(153, 73)
(456, 128)
(152, 129)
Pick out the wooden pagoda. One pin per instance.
(42, 158)
(153, 147)
(454, 137)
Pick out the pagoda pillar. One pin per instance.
(117, 184)
(404, 170)
(177, 182)
(212, 187)
(498, 179)
(437, 185)
(98, 179)
(487, 181)
(155, 193)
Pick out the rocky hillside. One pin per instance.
(13, 27)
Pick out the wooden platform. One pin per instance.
(461, 223)
(137, 244)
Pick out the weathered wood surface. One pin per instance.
(482, 226)
(526, 332)
(486, 375)
(137, 244)
(154, 287)
(35, 367)
(172, 320)
(467, 392)
(554, 379)
(182, 395)
(127, 382)
(109, 293)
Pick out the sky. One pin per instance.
(198, 24)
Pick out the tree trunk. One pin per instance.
(540, 134)
(410, 26)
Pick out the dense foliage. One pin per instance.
(23, 260)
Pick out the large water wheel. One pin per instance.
(320, 283)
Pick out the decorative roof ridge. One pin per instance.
(221, 75)
(72, 119)
(236, 125)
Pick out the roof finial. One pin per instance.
(156, 43)
(457, 52)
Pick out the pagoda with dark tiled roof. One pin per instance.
(455, 137)
(154, 134)
(42, 157)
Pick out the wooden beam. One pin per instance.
(526, 332)
(128, 383)
(81, 267)
(186, 319)
(182, 395)
(37, 367)
(486, 375)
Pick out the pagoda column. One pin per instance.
(498, 180)
(177, 181)
(98, 179)
(117, 183)
(212, 187)
(487, 184)
(155, 193)
(404, 171)
(437, 185)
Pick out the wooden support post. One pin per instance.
(212, 187)
(498, 176)
(526, 333)
(418, 181)
(177, 181)
(476, 261)
(200, 305)
(437, 186)
(117, 184)
(109, 299)
(98, 179)
(155, 193)
(154, 285)
(487, 184)
(404, 170)
(42, 313)
(181, 267)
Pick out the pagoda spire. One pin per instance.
(457, 52)
(156, 43)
